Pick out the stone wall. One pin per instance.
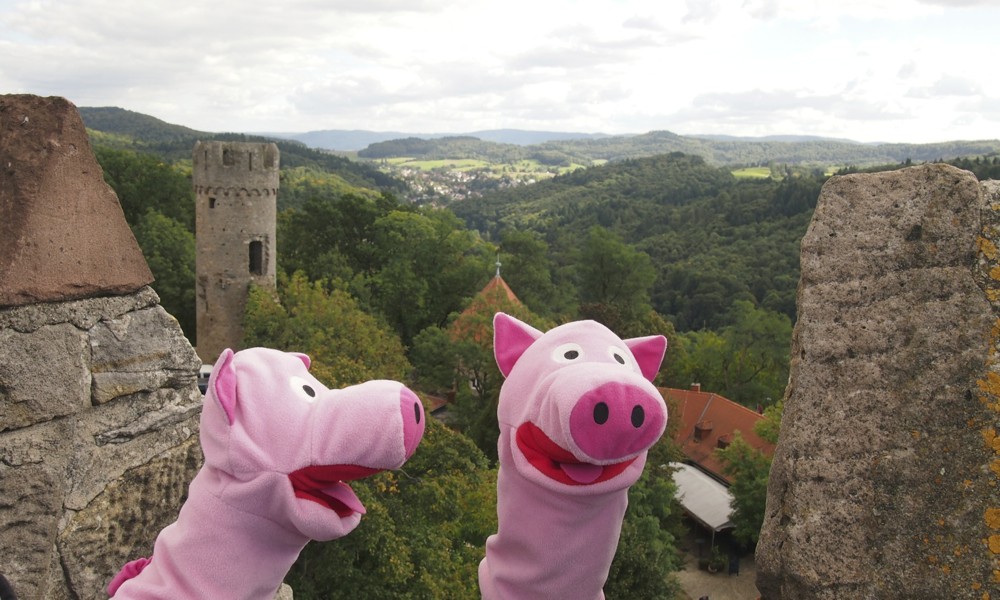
(99, 403)
(99, 410)
(884, 481)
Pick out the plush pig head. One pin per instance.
(283, 445)
(578, 405)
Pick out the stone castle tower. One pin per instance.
(236, 188)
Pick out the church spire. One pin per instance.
(498, 264)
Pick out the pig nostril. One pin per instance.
(416, 411)
(638, 416)
(601, 413)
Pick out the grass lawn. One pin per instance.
(753, 173)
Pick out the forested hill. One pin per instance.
(127, 130)
(713, 239)
(750, 151)
(720, 151)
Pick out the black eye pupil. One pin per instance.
(571, 354)
(620, 358)
(309, 391)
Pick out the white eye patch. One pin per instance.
(618, 355)
(567, 353)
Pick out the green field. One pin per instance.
(456, 164)
(753, 173)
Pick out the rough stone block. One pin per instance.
(83, 313)
(125, 518)
(29, 519)
(43, 375)
(881, 482)
(130, 354)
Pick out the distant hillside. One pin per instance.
(356, 139)
(508, 146)
(111, 119)
(716, 150)
(742, 151)
(448, 147)
(771, 138)
(125, 129)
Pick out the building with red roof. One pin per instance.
(708, 422)
(476, 321)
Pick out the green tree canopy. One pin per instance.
(413, 267)
(169, 248)
(424, 533)
(146, 182)
(748, 469)
(746, 362)
(528, 268)
(429, 266)
(346, 345)
(615, 281)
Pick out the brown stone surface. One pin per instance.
(62, 231)
(126, 517)
(881, 484)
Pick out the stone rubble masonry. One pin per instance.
(885, 479)
(62, 231)
(99, 403)
(99, 409)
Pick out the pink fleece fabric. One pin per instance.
(278, 448)
(577, 413)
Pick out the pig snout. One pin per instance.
(615, 420)
(413, 420)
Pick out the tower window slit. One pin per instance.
(256, 258)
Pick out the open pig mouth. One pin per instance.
(558, 463)
(324, 484)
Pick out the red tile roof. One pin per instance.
(476, 321)
(707, 418)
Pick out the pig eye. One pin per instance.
(618, 355)
(567, 353)
(303, 389)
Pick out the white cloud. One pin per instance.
(720, 66)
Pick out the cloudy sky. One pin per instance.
(868, 70)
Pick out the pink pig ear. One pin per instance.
(303, 357)
(510, 339)
(225, 383)
(648, 352)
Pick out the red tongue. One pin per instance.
(343, 493)
(582, 472)
(325, 485)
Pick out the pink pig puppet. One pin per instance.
(278, 448)
(577, 413)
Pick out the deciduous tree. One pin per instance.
(748, 469)
(346, 345)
